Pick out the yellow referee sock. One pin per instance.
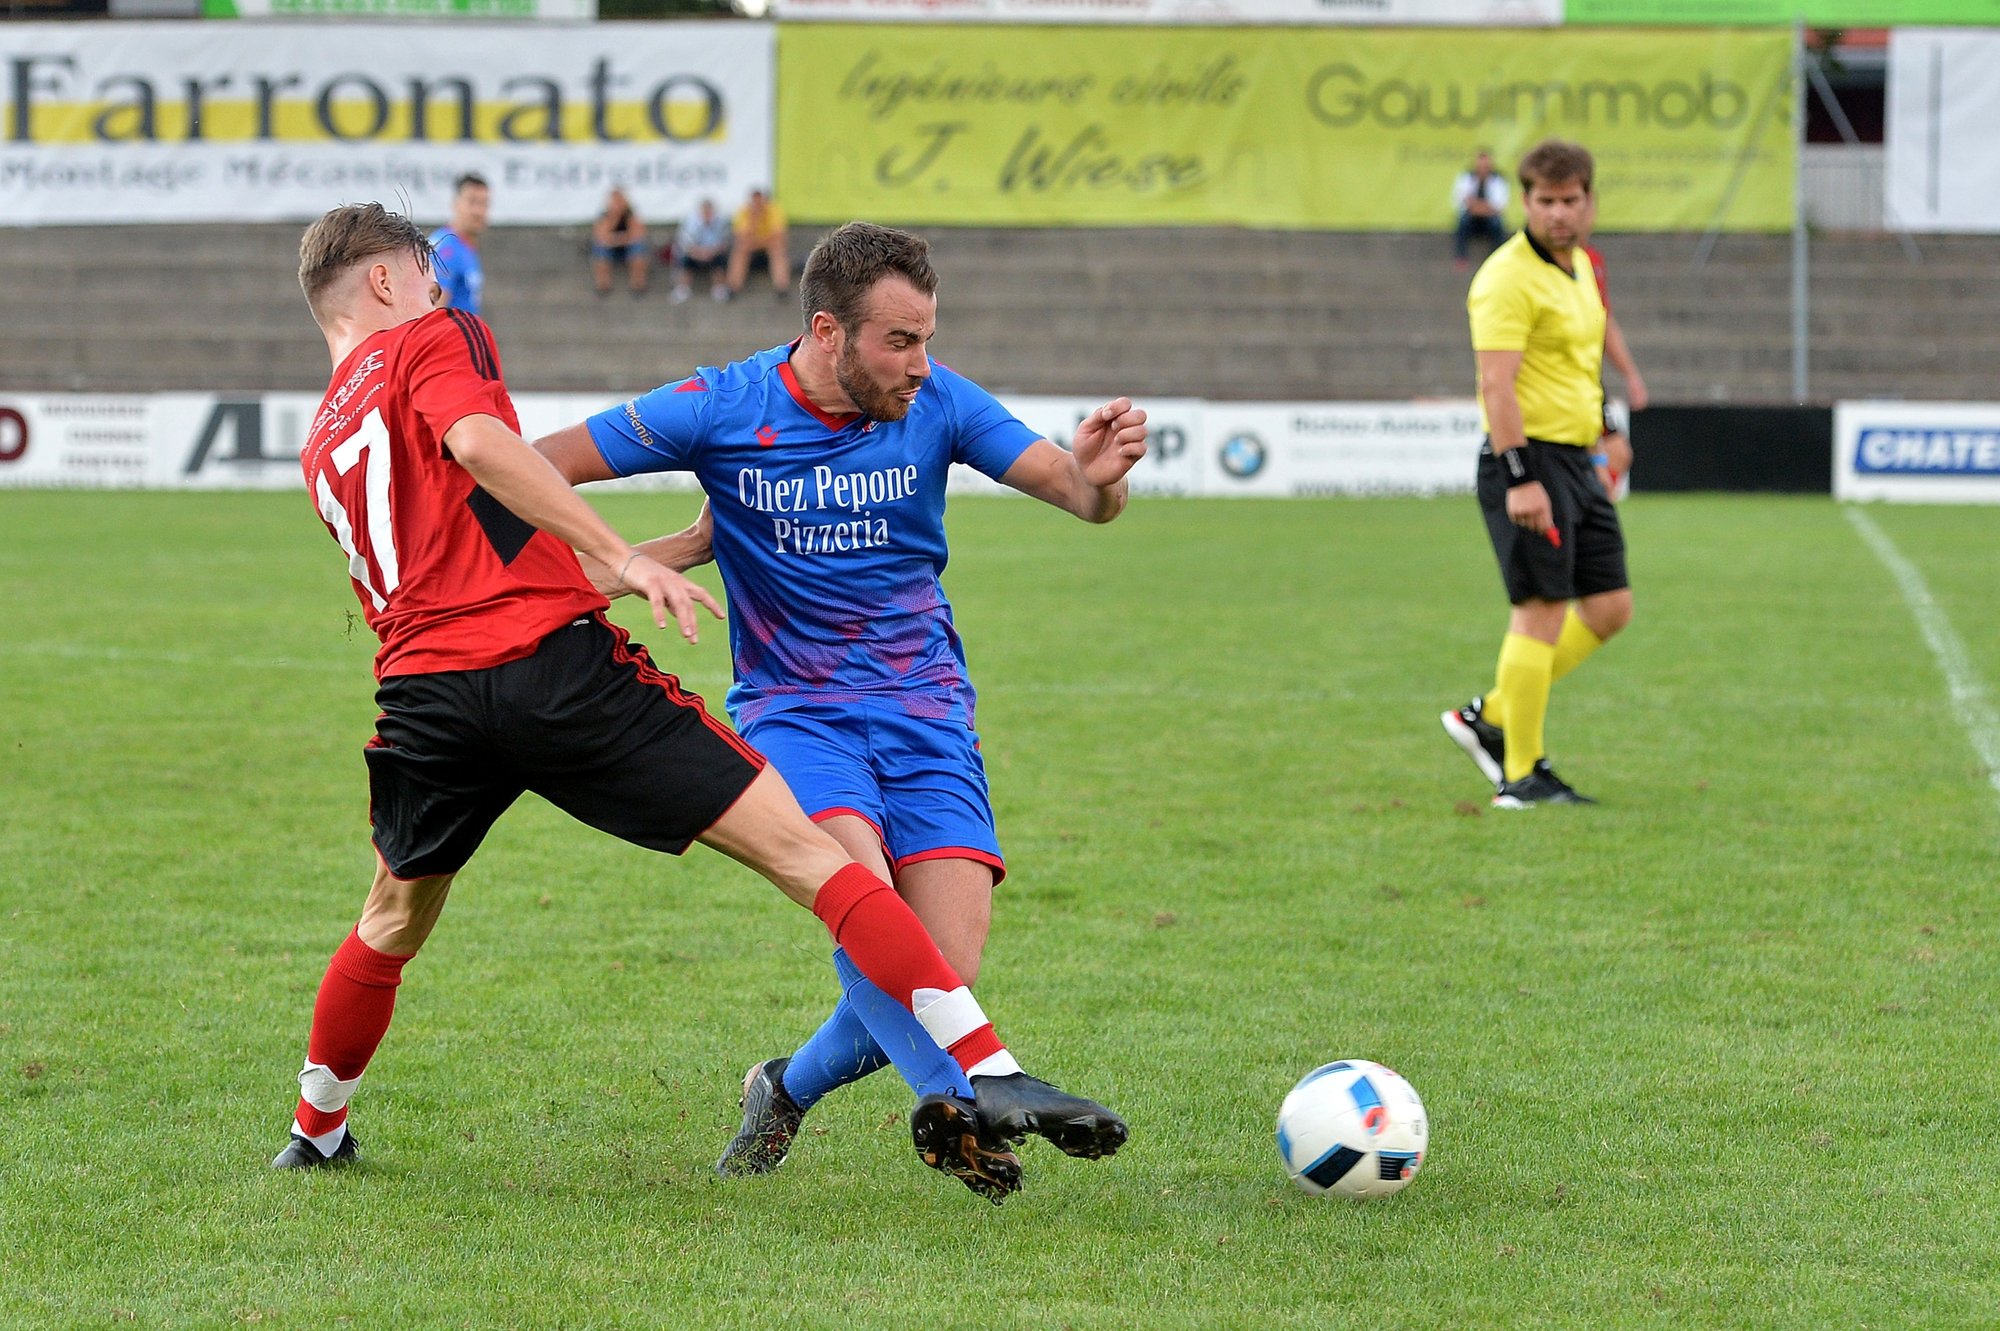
(1526, 670)
(1573, 647)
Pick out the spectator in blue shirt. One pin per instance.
(458, 272)
(701, 246)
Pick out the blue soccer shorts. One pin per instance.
(920, 783)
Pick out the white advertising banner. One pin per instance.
(215, 441)
(1344, 448)
(1942, 168)
(190, 122)
(459, 11)
(1328, 13)
(207, 441)
(1917, 452)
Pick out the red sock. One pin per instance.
(889, 944)
(349, 1019)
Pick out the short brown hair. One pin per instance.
(843, 268)
(347, 235)
(1556, 162)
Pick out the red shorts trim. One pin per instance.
(839, 811)
(992, 862)
(625, 652)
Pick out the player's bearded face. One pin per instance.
(881, 386)
(1558, 212)
(877, 395)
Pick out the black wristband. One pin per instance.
(1515, 463)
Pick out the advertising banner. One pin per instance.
(1274, 449)
(1295, 129)
(1379, 13)
(217, 441)
(1942, 159)
(1813, 13)
(1917, 452)
(145, 122)
(562, 10)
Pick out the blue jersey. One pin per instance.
(829, 530)
(457, 270)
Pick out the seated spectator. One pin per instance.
(759, 235)
(618, 236)
(701, 246)
(1480, 196)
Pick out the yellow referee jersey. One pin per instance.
(1521, 301)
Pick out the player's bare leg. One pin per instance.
(954, 899)
(351, 1014)
(1605, 613)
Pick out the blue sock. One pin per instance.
(900, 1037)
(839, 1052)
(856, 1039)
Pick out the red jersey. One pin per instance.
(1597, 271)
(448, 578)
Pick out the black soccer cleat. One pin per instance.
(1540, 786)
(946, 1132)
(1483, 742)
(1015, 1105)
(771, 1119)
(302, 1154)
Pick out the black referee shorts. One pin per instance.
(587, 722)
(1588, 554)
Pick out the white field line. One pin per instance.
(1969, 695)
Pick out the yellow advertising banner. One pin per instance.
(1289, 128)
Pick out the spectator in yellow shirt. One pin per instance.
(759, 237)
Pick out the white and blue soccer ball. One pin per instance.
(1352, 1128)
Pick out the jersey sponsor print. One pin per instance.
(829, 530)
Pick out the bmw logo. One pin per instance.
(1242, 455)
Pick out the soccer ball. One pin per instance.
(1354, 1128)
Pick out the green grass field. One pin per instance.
(1718, 1053)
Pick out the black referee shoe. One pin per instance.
(771, 1119)
(302, 1154)
(1483, 742)
(1539, 786)
(945, 1130)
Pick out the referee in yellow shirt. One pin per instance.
(1538, 336)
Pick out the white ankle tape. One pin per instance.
(949, 1017)
(1001, 1064)
(322, 1090)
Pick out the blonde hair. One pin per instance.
(346, 236)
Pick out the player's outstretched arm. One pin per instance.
(534, 491)
(680, 551)
(1089, 479)
(576, 457)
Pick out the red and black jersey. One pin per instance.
(1597, 271)
(448, 578)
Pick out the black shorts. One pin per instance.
(1588, 557)
(588, 722)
